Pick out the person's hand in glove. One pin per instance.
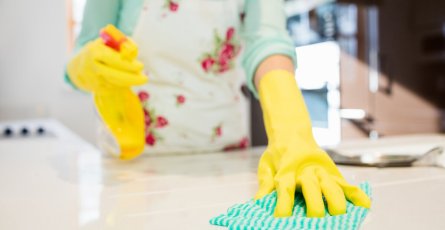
(107, 67)
(293, 161)
(100, 66)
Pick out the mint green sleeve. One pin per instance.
(97, 14)
(123, 14)
(264, 34)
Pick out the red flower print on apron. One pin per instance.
(152, 120)
(222, 57)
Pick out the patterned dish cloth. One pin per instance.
(258, 215)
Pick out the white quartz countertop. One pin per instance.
(60, 182)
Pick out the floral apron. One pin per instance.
(193, 101)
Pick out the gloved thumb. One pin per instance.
(354, 194)
(266, 174)
(285, 195)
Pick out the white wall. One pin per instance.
(33, 52)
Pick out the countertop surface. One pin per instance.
(63, 183)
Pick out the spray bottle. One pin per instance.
(118, 107)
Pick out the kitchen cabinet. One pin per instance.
(383, 74)
(392, 64)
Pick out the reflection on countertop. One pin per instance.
(61, 183)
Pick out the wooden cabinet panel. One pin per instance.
(405, 112)
(350, 132)
(400, 105)
(429, 12)
(354, 83)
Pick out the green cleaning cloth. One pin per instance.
(258, 215)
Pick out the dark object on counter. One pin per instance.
(24, 131)
(387, 160)
(7, 132)
(40, 131)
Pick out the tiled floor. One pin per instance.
(49, 183)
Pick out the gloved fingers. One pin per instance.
(129, 49)
(114, 59)
(118, 77)
(285, 195)
(133, 109)
(120, 114)
(333, 193)
(354, 193)
(86, 81)
(266, 173)
(312, 195)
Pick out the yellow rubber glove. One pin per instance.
(121, 111)
(108, 67)
(293, 161)
(99, 67)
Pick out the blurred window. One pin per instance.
(75, 15)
